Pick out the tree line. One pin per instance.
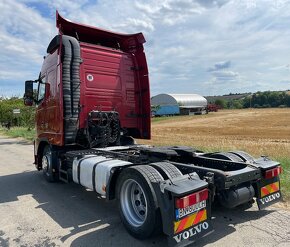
(25, 118)
(257, 100)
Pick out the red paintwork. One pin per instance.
(113, 85)
(48, 113)
(213, 107)
(118, 82)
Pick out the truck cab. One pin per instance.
(93, 89)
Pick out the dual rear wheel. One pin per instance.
(137, 200)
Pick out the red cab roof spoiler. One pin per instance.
(92, 34)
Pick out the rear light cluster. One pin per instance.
(273, 172)
(191, 199)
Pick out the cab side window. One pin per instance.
(41, 89)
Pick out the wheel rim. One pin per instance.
(45, 163)
(133, 202)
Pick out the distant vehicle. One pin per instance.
(92, 99)
(213, 108)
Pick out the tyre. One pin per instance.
(138, 207)
(48, 166)
(227, 156)
(167, 170)
(244, 156)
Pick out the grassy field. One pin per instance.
(19, 132)
(256, 131)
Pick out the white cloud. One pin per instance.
(222, 74)
(24, 35)
(136, 24)
(281, 67)
(170, 12)
(225, 75)
(18, 20)
(202, 46)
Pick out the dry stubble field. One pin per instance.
(256, 131)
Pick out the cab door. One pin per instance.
(40, 116)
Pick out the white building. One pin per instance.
(187, 103)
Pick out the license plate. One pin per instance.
(269, 194)
(182, 212)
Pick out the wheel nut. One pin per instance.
(137, 203)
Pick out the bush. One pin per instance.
(221, 102)
(25, 118)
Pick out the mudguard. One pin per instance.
(183, 226)
(268, 192)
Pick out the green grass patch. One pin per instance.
(285, 177)
(177, 118)
(19, 132)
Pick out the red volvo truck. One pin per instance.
(92, 100)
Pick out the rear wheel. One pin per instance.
(167, 170)
(244, 156)
(48, 167)
(137, 201)
(226, 156)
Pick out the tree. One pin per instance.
(267, 99)
(155, 108)
(221, 102)
(247, 102)
(237, 104)
(26, 116)
(287, 100)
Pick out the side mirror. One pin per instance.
(29, 89)
(28, 95)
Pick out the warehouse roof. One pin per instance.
(183, 100)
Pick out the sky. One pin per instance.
(192, 46)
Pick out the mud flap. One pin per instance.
(183, 225)
(268, 192)
(189, 229)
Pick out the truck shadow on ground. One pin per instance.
(92, 221)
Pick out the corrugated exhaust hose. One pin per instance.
(71, 86)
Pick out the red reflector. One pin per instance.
(191, 199)
(273, 172)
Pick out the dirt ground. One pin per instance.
(35, 213)
(257, 131)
